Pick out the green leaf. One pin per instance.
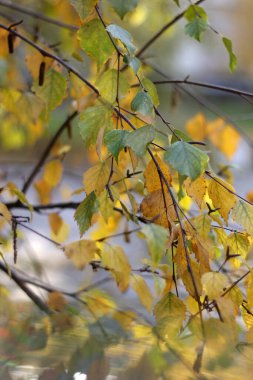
(115, 141)
(84, 7)
(95, 41)
(196, 28)
(133, 62)
(53, 90)
(123, 35)
(197, 24)
(156, 237)
(122, 7)
(108, 84)
(232, 57)
(139, 139)
(195, 11)
(90, 122)
(243, 214)
(152, 91)
(186, 159)
(142, 103)
(85, 211)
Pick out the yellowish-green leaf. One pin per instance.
(91, 120)
(53, 89)
(81, 252)
(214, 284)
(96, 178)
(110, 82)
(152, 91)
(95, 41)
(141, 288)
(115, 259)
(238, 244)
(243, 214)
(221, 194)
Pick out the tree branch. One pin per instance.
(37, 15)
(22, 284)
(46, 152)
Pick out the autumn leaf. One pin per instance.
(214, 284)
(170, 313)
(141, 288)
(81, 252)
(115, 260)
(96, 178)
(196, 189)
(53, 173)
(53, 90)
(223, 136)
(243, 214)
(222, 196)
(55, 222)
(152, 178)
(196, 127)
(161, 211)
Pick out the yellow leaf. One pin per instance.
(53, 172)
(153, 207)
(223, 136)
(238, 244)
(56, 301)
(187, 279)
(196, 189)
(196, 127)
(96, 178)
(5, 212)
(214, 284)
(62, 234)
(220, 193)
(114, 258)
(55, 222)
(152, 179)
(81, 252)
(98, 302)
(44, 191)
(141, 288)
